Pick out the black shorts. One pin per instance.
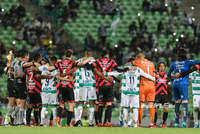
(161, 99)
(105, 94)
(66, 94)
(22, 90)
(12, 89)
(34, 99)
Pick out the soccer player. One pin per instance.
(19, 67)
(86, 89)
(180, 85)
(147, 87)
(131, 94)
(49, 91)
(12, 90)
(34, 89)
(161, 92)
(66, 88)
(105, 88)
(130, 90)
(194, 78)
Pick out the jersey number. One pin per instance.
(47, 82)
(87, 74)
(131, 80)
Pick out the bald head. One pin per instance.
(139, 55)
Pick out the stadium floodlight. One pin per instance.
(2, 10)
(111, 0)
(193, 19)
(169, 83)
(182, 35)
(138, 14)
(192, 8)
(166, 5)
(177, 40)
(13, 42)
(155, 49)
(174, 34)
(50, 42)
(46, 112)
(116, 45)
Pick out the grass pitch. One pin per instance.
(95, 130)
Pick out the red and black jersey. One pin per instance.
(161, 83)
(104, 64)
(64, 66)
(34, 83)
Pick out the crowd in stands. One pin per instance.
(107, 7)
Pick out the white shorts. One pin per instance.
(122, 100)
(49, 98)
(131, 101)
(89, 92)
(76, 95)
(196, 100)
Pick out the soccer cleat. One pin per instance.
(150, 126)
(91, 125)
(50, 122)
(37, 124)
(10, 119)
(100, 125)
(196, 126)
(6, 125)
(108, 124)
(178, 125)
(121, 123)
(77, 123)
(164, 126)
(139, 126)
(154, 126)
(68, 125)
(104, 125)
(129, 125)
(58, 121)
(22, 124)
(184, 124)
(28, 125)
(41, 124)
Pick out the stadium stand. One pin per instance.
(71, 31)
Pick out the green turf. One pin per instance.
(95, 130)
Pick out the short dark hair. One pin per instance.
(160, 62)
(68, 52)
(104, 52)
(88, 52)
(53, 59)
(24, 53)
(182, 54)
(36, 56)
(131, 59)
(19, 53)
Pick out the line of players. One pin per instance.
(134, 89)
